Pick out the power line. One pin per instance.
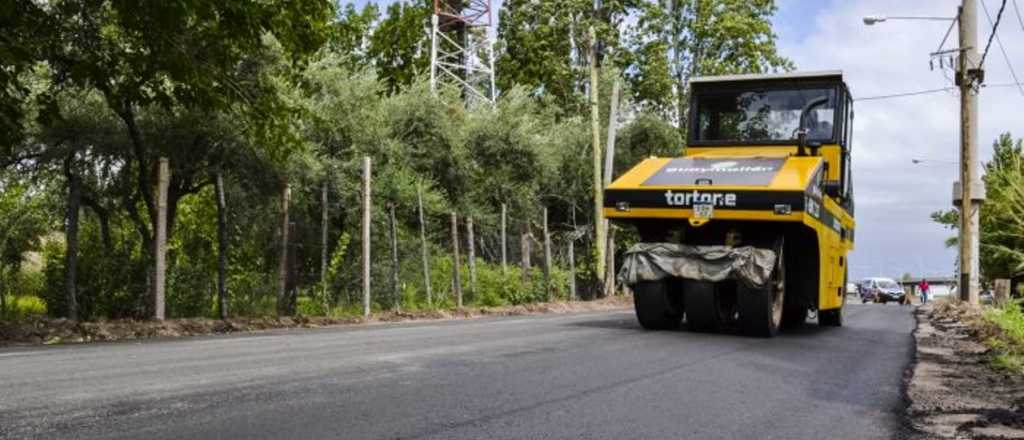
(926, 92)
(905, 94)
(988, 45)
(1002, 49)
(1019, 19)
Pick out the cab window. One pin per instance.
(766, 115)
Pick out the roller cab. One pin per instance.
(767, 169)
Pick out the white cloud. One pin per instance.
(895, 197)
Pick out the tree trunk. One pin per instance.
(71, 251)
(456, 279)
(471, 256)
(396, 295)
(423, 244)
(282, 268)
(222, 250)
(160, 271)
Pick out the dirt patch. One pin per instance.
(954, 391)
(48, 331)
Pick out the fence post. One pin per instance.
(222, 249)
(397, 296)
(525, 250)
(547, 257)
(572, 269)
(504, 243)
(456, 280)
(367, 173)
(423, 243)
(609, 273)
(471, 255)
(160, 277)
(324, 220)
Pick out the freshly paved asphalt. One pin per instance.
(586, 376)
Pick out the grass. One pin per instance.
(23, 306)
(1008, 341)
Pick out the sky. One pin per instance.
(895, 197)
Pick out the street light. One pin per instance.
(870, 20)
(918, 161)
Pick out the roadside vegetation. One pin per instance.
(1005, 335)
(253, 100)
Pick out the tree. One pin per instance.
(23, 221)
(1001, 227)
(155, 61)
(25, 32)
(399, 47)
(701, 37)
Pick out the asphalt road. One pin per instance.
(586, 376)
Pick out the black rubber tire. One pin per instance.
(657, 306)
(701, 303)
(756, 312)
(831, 318)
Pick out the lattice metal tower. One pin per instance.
(462, 47)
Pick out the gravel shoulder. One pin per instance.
(954, 391)
(49, 331)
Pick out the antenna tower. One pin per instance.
(462, 47)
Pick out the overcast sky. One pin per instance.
(895, 197)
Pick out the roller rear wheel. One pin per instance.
(657, 306)
(761, 308)
(702, 309)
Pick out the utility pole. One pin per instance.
(595, 124)
(969, 78)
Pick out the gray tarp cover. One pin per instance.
(655, 261)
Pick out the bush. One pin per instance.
(1008, 341)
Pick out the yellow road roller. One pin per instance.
(750, 227)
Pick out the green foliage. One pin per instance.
(399, 47)
(274, 92)
(1009, 340)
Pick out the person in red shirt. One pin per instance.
(923, 287)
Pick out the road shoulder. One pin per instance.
(954, 391)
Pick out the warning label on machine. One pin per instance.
(702, 171)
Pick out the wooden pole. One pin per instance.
(504, 242)
(524, 244)
(456, 281)
(572, 257)
(324, 245)
(547, 257)
(292, 289)
(595, 124)
(572, 269)
(367, 173)
(160, 276)
(396, 295)
(222, 249)
(71, 246)
(423, 244)
(282, 268)
(609, 172)
(471, 255)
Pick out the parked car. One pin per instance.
(881, 290)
